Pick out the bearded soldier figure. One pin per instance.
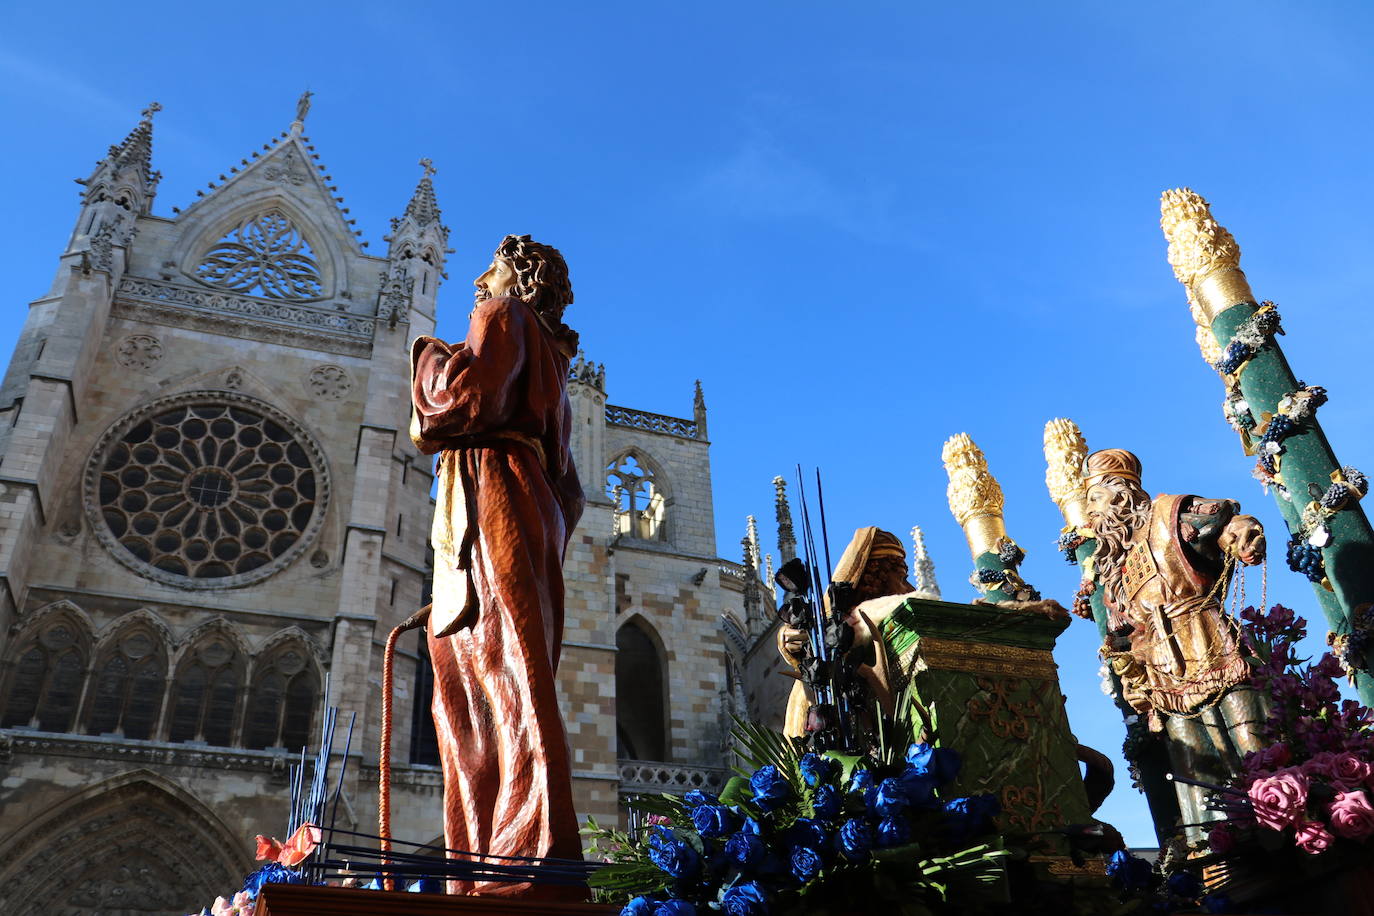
(495, 409)
(1164, 565)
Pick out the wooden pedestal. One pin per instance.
(303, 900)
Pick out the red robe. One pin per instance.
(496, 410)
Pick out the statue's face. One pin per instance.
(499, 280)
(1099, 502)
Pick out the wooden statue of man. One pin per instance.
(1164, 565)
(875, 564)
(495, 410)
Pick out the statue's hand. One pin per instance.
(1243, 538)
(791, 644)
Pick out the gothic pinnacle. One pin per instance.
(922, 566)
(787, 540)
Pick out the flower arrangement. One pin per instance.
(802, 831)
(282, 860)
(1312, 786)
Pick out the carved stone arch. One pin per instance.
(130, 845)
(208, 685)
(142, 616)
(127, 687)
(293, 634)
(646, 515)
(40, 617)
(736, 638)
(641, 682)
(44, 670)
(218, 216)
(285, 683)
(215, 625)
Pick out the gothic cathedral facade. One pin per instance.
(211, 518)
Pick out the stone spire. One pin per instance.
(699, 411)
(922, 566)
(787, 541)
(418, 246)
(118, 191)
(128, 164)
(753, 602)
(752, 535)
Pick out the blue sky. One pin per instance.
(890, 222)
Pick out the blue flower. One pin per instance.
(1127, 871)
(806, 832)
(426, 886)
(970, 815)
(893, 831)
(856, 838)
(746, 850)
(675, 908)
(1185, 884)
(640, 906)
(747, 899)
(890, 798)
(861, 781)
(827, 802)
(271, 873)
(939, 763)
(1216, 903)
(714, 820)
(675, 858)
(919, 787)
(816, 769)
(698, 797)
(771, 789)
(806, 863)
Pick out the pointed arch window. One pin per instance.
(638, 498)
(281, 705)
(640, 706)
(46, 677)
(265, 255)
(127, 685)
(205, 693)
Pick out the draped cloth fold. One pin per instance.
(495, 409)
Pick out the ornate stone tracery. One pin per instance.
(139, 351)
(206, 490)
(265, 255)
(640, 506)
(329, 382)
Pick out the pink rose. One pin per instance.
(1279, 800)
(1319, 766)
(1221, 840)
(1352, 816)
(1313, 838)
(1349, 771)
(1269, 759)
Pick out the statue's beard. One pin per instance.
(480, 295)
(1129, 511)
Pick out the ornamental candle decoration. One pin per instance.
(975, 499)
(1331, 542)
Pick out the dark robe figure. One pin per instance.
(495, 409)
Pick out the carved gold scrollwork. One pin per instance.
(1006, 718)
(1024, 810)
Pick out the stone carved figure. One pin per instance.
(495, 409)
(875, 562)
(1164, 565)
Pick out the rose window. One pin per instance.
(207, 490)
